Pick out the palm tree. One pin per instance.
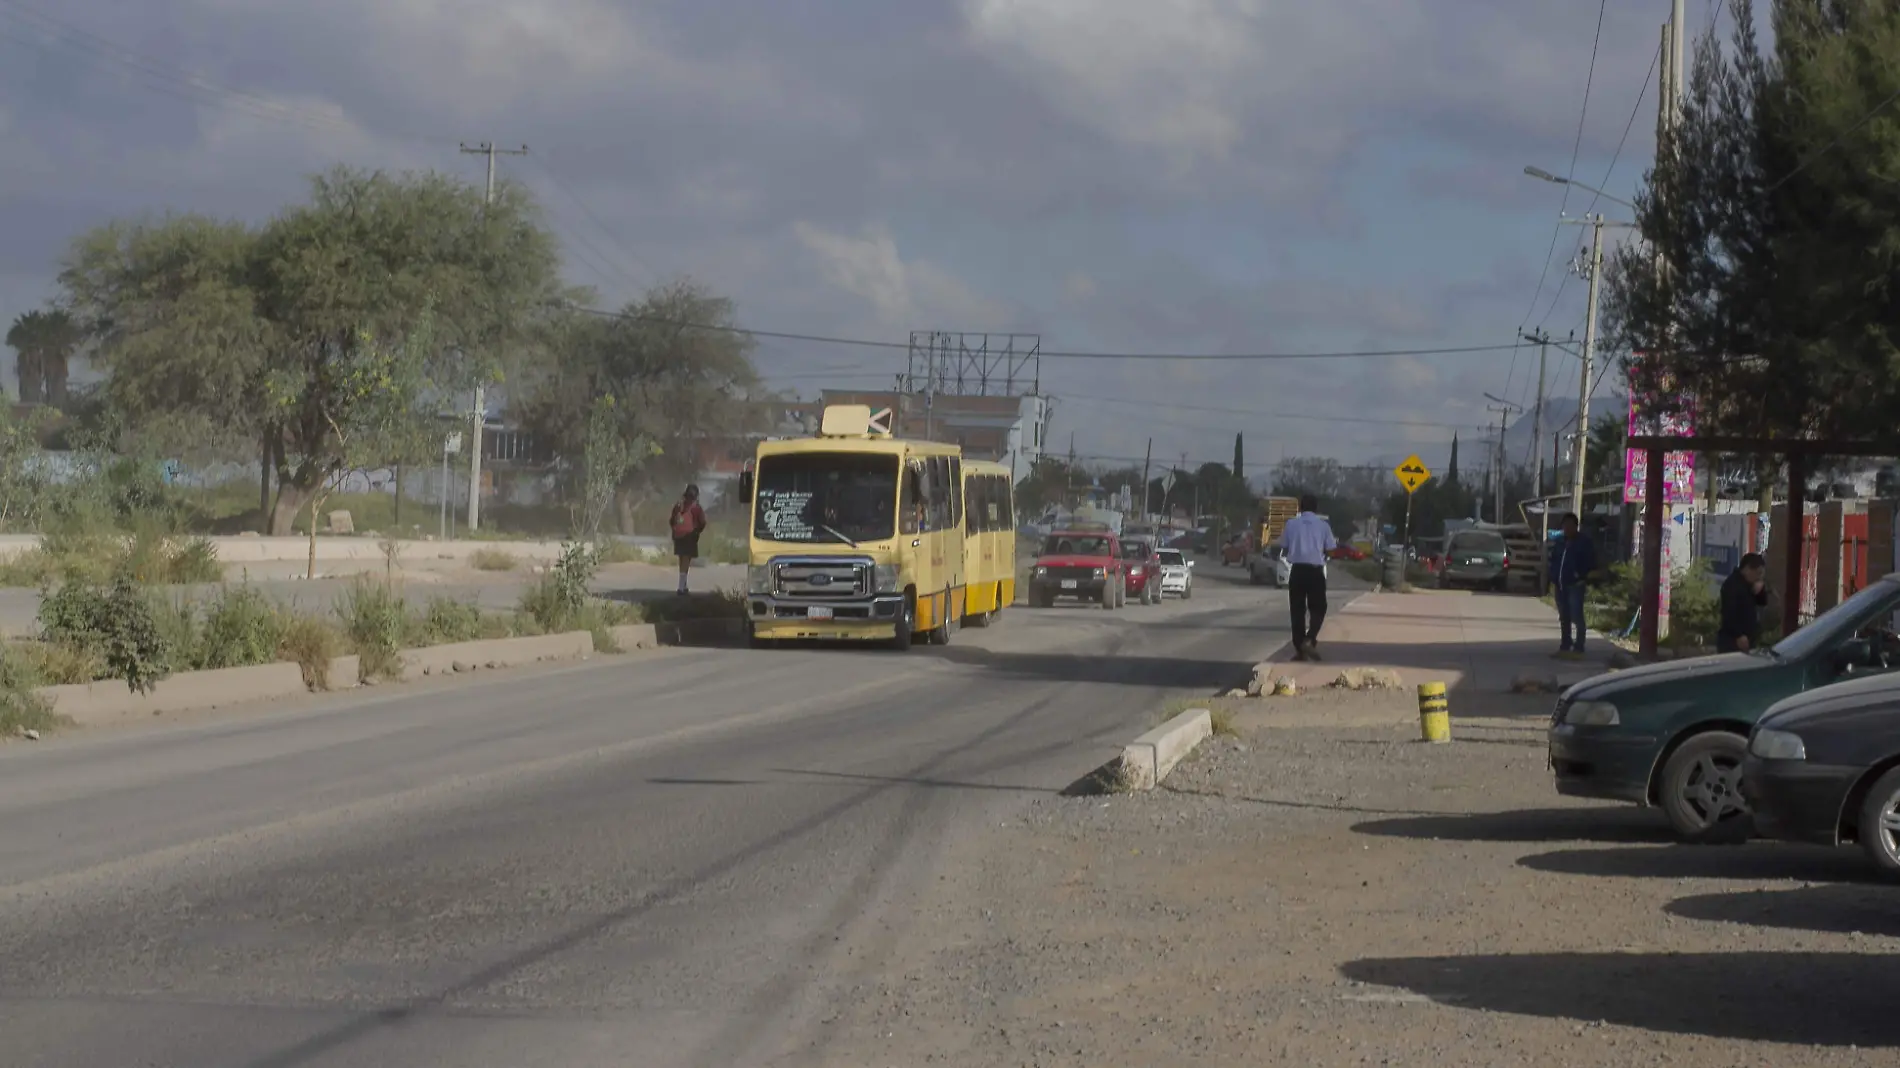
(45, 341)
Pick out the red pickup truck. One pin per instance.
(1084, 564)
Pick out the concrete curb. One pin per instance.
(93, 704)
(458, 657)
(1148, 759)
(110, 701)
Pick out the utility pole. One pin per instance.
(1593, 269)
(1146, 458)
(480, 413)
(1542, 341)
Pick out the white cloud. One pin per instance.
(899, 294)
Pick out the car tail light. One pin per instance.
(1507, 561)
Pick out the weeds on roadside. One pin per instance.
(21, 709)
(311, 644)
(376, 622)
(557, 600)
(119, 623)
(450, 620)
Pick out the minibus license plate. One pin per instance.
(1068, 584)
(818, 611)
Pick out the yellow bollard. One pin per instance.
(1434, 713)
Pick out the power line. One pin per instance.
(1150, 404)
(1576, 147)
(823, 339)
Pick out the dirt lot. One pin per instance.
(1343, 895)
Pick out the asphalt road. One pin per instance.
(687, 858)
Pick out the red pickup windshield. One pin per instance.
(1075, 545)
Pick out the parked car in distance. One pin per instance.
(1142, 560)
(1675, 734)
(1177, 574)
(1085, 564)
(1344, 551)
(1476, 558)
(1824, 767)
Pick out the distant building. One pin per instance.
(1008, 430)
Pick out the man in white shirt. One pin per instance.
(1307, 540)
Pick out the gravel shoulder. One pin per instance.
(1325, 890)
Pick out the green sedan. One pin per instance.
(1673, 735)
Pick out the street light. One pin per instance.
(1544, 175)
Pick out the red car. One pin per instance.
(1142, 560)
(1346, 552)
(1085, 564)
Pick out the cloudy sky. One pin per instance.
(1179, 176)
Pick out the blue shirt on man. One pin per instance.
(1307, 539)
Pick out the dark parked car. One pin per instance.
(1824, 767)
(1476, 558)
(1674, 734)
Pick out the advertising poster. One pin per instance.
(1678, 467)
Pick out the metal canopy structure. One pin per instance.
(974, 364)
(1797, 451)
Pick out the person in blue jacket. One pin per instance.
(1573, 558)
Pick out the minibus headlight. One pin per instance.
(758, 578)
(886, 577)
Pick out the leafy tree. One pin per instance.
(607, 458)
(681, 374)
(1047, 485)
(1240, 468)
(44, 342)
(1762, 288)
(212, 330)
(1451, 467)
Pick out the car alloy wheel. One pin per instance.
(1702, 789)
(1879, 829)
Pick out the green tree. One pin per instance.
(44, 342)
(1046, 486)
(1762, 287)
(1451, 467)
(217, 331)
(608, 456)
(1240, 467)
(680, 371)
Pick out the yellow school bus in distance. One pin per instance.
(855, 535)
(989, 541)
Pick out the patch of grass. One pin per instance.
(148, 557)
(311, 644)
(241, 627)
(486, 559)
(448, 620)
(53, 664)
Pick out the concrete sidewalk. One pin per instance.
(1477, 642)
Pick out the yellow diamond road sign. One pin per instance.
(1412, 473)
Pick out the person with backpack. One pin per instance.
(687, 520)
